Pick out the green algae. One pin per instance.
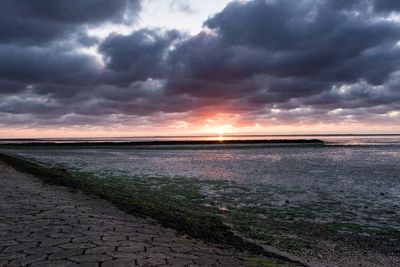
(261, 262)
(156, 198)
(182, 204)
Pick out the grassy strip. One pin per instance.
(194, 222)
(258, 262)
(179, 214)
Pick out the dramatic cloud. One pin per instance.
(36, 65)
(301, 40)
(270, 53)
(387, 5)
(139, 56)
(33, 22)
(255, 63)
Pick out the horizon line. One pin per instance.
(200, 135)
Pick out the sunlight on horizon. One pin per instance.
(195, 130)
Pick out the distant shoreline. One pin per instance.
(109, 138)
(167, 143)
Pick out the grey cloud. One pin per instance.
(140, 55)
(301, 49)
(85, 40)
(304, 58)
(316, 40)
(11, 87)
(181, 6)
(387, 5)
(40, 21)
(38, 65)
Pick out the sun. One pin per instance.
(219, 130)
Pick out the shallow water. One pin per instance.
(352, 183)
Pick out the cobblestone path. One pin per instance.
(46, 225)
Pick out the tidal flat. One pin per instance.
(311, 201)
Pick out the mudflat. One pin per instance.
(48, 225)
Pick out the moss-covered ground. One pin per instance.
(175, 205)
(183, 205)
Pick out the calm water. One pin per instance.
(353, 179)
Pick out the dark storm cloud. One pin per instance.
(274, 51)
(387, 5)
(39, 21)
(315, 60)
(9, 87)
(37, 65)
(303, 39)
(139, 56)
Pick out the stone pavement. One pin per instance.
(46, 225)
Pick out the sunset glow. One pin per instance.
(200, 133)
(181, 67)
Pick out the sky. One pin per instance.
(98, 68)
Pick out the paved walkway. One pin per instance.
(46, 225)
